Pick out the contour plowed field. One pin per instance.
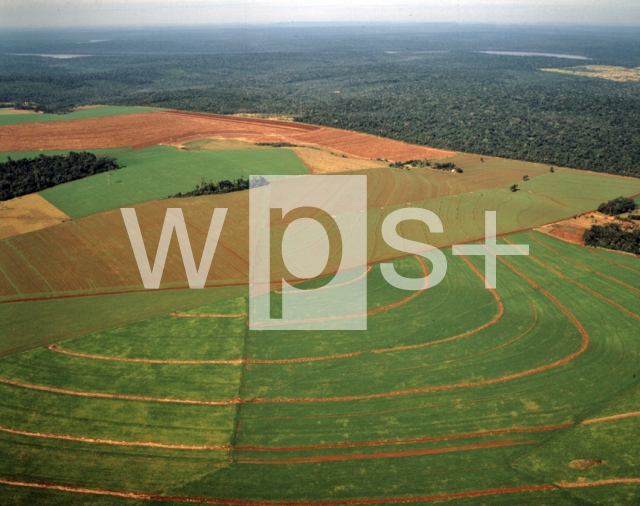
(496, 390)
(148, 129)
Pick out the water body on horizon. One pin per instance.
(524, 53)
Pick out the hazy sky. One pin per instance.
(25, 13)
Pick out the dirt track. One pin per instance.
(385, 455)
(152, 128)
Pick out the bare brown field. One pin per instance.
(26, 214)
(149, 129)
(323, 161)
(217, 145)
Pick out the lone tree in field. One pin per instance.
(525, 177)
(514, 187)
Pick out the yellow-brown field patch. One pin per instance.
(26, 214)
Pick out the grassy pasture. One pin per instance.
(160, 171)
(533, 332)
(7, 118)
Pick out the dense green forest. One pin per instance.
(618, 206)
(421, 84)
(226, 186)
(30, 175)
(612, 236)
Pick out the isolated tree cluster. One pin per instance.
(30, 175)
(618, 206)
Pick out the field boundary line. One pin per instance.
(240, 502)
(329, 287)
(586, 288)
(579, 264)
(368, 312)
(405, 441)
(592, 250)
(54, 347)
(208, 315)
(613, 481)
(386, 455)
(110, 441)
(117, 396)
(611, 418)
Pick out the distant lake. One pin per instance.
(550, 55)
(59, 56)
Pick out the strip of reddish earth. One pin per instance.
(583, 286)
(404, 441)
(387, 455)
(614, 481)
(611, 418)
(353, 397)
(591, 250)
(510, 377)
(54, 347)
(329, 287)
(586, 288)
(119, 396)
(111, 442)
(209, 315)
(237, 502)
(354, 315)
(344, 502)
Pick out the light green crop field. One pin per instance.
(7, 118)
(160, 171)
(456, 393)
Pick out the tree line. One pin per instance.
(612, 236)
(30, 175)
(225, 186)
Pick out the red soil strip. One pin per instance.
(567, 236)
(538, 260)
(371, 311)
(610, 418)
(111, 442)
(237, 502)
(614, 481)
(460, 336)
(208, 315)
(118, 396)
(586, 288)
(387, 455)
(334, 286)
(507, 343)
(77, 490)
(581, 265)
(591, 250)
(403, 441)
(353, 397)
(510, 377)
(54, 347)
